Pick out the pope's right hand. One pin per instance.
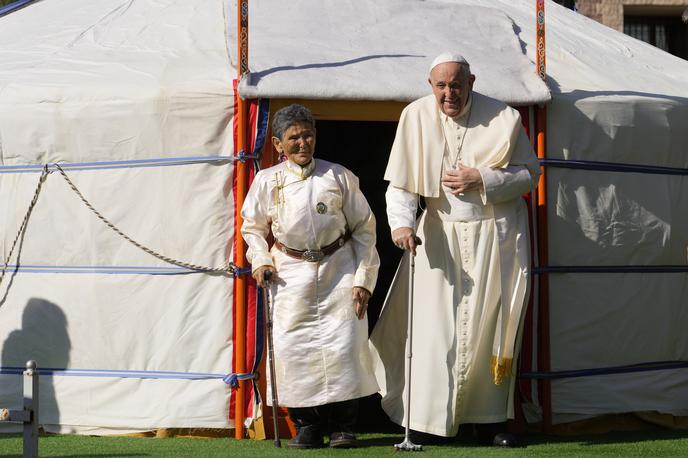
(259, 275)
(405, 238)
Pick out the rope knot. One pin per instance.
(233, 379)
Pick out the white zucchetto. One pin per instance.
(448, 57)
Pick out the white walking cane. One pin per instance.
(271, 357)
(407, 445)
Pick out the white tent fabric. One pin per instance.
(381, 50)
(613, 99)
(130, 80)
(122, 88)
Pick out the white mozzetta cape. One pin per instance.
(495, 140)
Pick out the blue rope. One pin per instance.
(612, 167)
(103, 165)
(240, 271)
(643, 367)
(112, 373)
(540, 270)
(114, 270)
(233, 379)
(243, 157)
(261, 132)
(260, 342)
(262, 124)
(7, 9)
(110, 270)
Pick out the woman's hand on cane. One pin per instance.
(261, 279)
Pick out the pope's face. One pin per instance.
(297, 143)
(451, 87)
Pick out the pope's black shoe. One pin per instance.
(495, 434)
(505, 440)
(308, 437)
(343, 440)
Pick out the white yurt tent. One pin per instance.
(134, 99)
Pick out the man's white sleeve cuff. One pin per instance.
(490, 180)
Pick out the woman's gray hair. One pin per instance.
(286, 117)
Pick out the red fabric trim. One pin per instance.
(252, 290)
(232, 397)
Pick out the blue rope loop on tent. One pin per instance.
(642, 367)
(243, 157)
(233, 379)
(612, 167)
(262, 124)
(241, 271)
(261, 132)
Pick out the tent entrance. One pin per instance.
(363, 147)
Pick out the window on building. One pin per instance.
(665, 32)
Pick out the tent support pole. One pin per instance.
(545, 391)
(543, 291)
(242, 169)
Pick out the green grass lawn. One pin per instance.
(647, 444)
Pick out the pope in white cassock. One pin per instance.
(469, 157)
(324, 265)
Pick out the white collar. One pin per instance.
(302, 172)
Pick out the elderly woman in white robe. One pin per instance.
(324, 267)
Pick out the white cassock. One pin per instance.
(321, 347)
(472, 271)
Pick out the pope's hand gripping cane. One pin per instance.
(407, 445)
(271, 355)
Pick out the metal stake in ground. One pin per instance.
(271, 356)
(29, 414)
(407, 445)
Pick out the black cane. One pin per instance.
(271, 356)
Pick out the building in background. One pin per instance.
(662, 23)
